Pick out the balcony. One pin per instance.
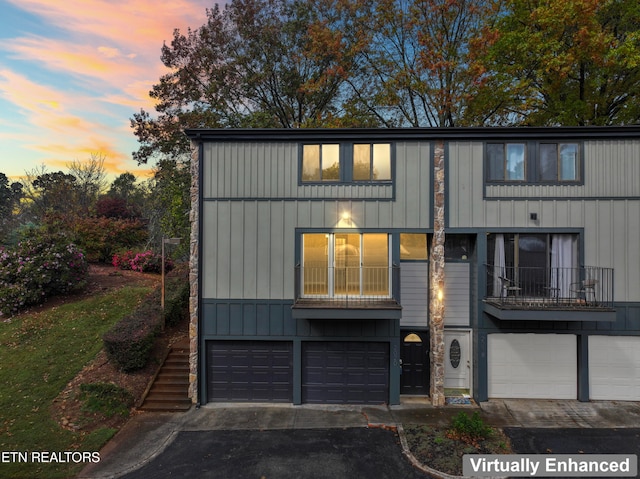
(347, 292)
(567, 294)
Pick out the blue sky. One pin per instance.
(72, 74)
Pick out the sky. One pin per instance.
(73, 73)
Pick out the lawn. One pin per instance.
(39, 354)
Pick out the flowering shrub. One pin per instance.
(38, 268)
(146, 262)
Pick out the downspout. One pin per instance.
(436, 279)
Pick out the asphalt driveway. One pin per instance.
(310, 453)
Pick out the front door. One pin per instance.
(414, 353)
(457, 369)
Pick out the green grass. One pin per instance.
(39, 354)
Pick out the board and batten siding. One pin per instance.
(253, 204)
(414, 294)
(606, 207)
(456, 293)
(270, 170)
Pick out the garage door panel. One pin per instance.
(532, 366)
(614, 368)
(251, 371)
(345, 372)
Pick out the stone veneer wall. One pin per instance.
(193, 274)
(436, 280)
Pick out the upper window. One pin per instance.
(321, 162)
(358, 162)
(533, 162)
(372, 162)
(506, 161)
(558, 162)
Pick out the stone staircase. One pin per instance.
(169, 391)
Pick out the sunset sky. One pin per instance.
(72, 74)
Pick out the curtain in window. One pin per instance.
(498, 265)
(563, 264)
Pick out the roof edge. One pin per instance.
(415, 134)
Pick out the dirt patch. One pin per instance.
(432, 447)
(67, 407)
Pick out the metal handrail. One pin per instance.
(550, 287)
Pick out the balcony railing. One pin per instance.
(347, 286)
(586, 287)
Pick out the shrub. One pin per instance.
(128, 344)
(145, 262)
(469, 429)
(37, 268)
(100, 237)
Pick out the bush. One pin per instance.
(100, 237)
(38, 268)
(469, 429)
(128, 344)
(146, 262)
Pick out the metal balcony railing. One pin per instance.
(586, 287)
(345, 286)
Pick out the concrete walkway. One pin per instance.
(147, 435)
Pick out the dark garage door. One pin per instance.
(258, 371)
(345, 372)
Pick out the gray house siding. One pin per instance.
(254, 207)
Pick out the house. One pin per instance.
(361, 265)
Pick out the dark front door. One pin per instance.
(414, 352)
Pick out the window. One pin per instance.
(372, 162)
(413, 246)
(345, 264)
(538, 264)
(533, 162)
(506, 161)
(558, 162)
(346, 163)
(321, 162)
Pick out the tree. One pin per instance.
(10, 196)
(575, 62)
(90, 182)
(417, 60)
(170, 203)
(250, 65)
(51, 193)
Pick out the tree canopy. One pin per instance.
(329, 63)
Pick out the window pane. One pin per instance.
(515, 161)
(568, 162)
(375, 264)
(330, 162)
(382, 161)
(495, 161)
(548, 165)
(361, 162)
(413, 246)
(315, 254)
(311, 163)
(346, 278)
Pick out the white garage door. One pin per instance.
(533, 366)
(614, 368)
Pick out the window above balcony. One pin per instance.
(341, 271)
(529, 273)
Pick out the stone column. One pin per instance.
(436, 280)
(193, 274)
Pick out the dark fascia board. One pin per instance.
(587, 315)
(412, 134)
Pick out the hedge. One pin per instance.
(129, 343)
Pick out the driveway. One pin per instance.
(310, 453)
